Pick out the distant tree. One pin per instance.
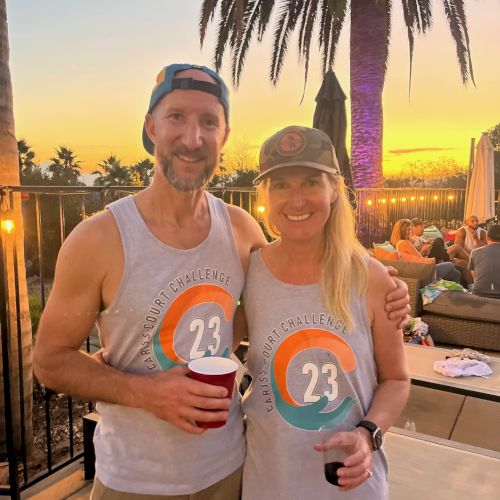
(30, 172)
(239, 155)
(65, 169)
(142, 172)
(112, 173)
(443, 172)
(239, 178)
(494, 134)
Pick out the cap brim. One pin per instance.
(310, 164)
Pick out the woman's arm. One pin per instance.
(393, 387)
(406, 246)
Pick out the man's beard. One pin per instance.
(181, 184)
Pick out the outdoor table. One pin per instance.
(420, 359)
(422, 466)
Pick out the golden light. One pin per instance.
(412, 198)
(393, 200)
(450, 197)
(8, 226)
(434, 197)
(261, 209)
(383, 200)
(422, 198)
(369, 203)
(403, 198)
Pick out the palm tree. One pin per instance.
(30, 172)
(142, 172)
(65, 169)
(369, 41)
(112, 173)
(9, 175)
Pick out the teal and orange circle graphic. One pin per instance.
(310, 416)
(163, 340)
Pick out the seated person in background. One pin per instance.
(485, 265)
(437, 248)
(471, 236)
(400, 239)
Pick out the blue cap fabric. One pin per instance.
(166, 82)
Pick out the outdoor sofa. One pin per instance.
(457, 318)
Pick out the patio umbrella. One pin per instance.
(330, 117)
(480, 199)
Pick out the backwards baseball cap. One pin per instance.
(296, 146)
(166, 82)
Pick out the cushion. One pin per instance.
(383, 254)
(432, 232)
(425, 272)
(415, 258)
(466, 306)
(385, 246)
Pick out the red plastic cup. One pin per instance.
(216, 371)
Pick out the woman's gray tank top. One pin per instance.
(172, 306)
(308, 374)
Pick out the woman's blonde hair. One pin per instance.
(343, 263)
(399, 231)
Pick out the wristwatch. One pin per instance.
(375, 432)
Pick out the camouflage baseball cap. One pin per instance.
(296, 146)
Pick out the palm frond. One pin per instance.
(307, 33)
(249, 22)
(459, 5)
(334, 12)
(457, 29)
(224, 32)
(265, 15)
(304, 18)
(208, 9)
(285, 24)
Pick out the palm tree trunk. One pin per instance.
(369, 25)
(9, 175)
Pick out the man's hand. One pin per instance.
(398, 301)
(174, 397)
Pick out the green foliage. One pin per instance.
(30, 172)
(143, 171)
(494, 134)
(443, 172)
(238, 178)
(65, 169)
(112, 173)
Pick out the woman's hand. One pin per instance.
(358, 464)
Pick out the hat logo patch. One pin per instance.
(291, 144)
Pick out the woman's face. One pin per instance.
(299, 202)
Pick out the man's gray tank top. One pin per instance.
(308, 373)
(172, 306)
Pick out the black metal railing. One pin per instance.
(49, 214)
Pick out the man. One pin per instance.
(471, 236)
(160, 273)
(485, 265)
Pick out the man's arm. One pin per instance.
(483, 239)
(67, 321)
(460, 239)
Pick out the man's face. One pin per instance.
(473, 222)
(188, 130)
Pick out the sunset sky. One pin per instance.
(82, 72)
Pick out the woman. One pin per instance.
(323, 353)
(401, 240)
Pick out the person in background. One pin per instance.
(471, 236)
(484, 265)
(401, 240)
(323, 353)
(436, 248)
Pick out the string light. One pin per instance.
(393, 200)
(261, 209)
(450, 197)
(403, 198)
(412, 198)
(435, 197)
(422, 198)
(8, 226)
(369, 203)
(383, 200)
